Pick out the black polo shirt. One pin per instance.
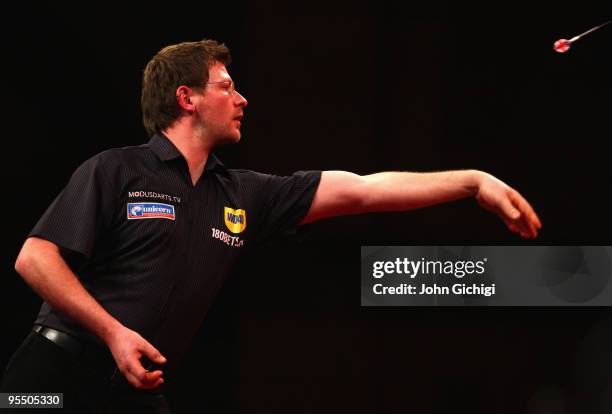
(153, 248)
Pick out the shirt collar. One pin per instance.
(166, 151)
(163, 147)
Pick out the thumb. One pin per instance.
(514, 214)
(152, 353)
(510, 211)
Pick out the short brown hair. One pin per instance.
(171, 67)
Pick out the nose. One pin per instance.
(242, 102)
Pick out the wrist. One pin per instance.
(109, 330)
(473, 181)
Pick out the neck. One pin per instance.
(192, 146)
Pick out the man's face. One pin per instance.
(220, 107)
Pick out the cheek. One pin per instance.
(219, 111)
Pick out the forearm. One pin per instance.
(341, 193)
(401, 191)
(43, 268)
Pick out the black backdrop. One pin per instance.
(363, 88)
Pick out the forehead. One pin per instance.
(218, 72)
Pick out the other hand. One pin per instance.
(128, 347)
(498, 197)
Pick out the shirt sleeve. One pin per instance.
(285, 201)
(80, 212)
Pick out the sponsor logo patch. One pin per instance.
(235, 220)
(137, 211)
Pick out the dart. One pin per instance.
(563, 45)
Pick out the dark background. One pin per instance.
(367, 87)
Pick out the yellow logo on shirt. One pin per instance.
(235, 220)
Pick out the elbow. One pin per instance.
(356, 198)
(369, 198)
(31, 252)
(24, 260)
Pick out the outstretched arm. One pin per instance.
(44, 269)
(343, 193)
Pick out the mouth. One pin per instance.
(238, 118)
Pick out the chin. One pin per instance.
(228, 140)
(236, 137)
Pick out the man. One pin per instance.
(130, 255)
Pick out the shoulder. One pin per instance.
(266, 184)
(266, 187)
(123, 153)
(116, 158)
(255, 176)
(112, 164)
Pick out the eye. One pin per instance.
(229, 87)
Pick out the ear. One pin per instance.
(183, 98)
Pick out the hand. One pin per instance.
(127, 348)
(496, 196)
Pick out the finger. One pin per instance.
(152, 377)
(135, 382)
(536, 220)
(533, 217)
(518, 226)
(530, 222)
(147, 381)
(148, 378)
(511, 225)
(529, 211)
(508, 210)
(525, 230)
(143, 385)
(134, 367)
(157, 384)
(152, 385)
(152, 353)
(533, 231)
(529, 218)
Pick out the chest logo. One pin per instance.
(235, 220)
(138, 211)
